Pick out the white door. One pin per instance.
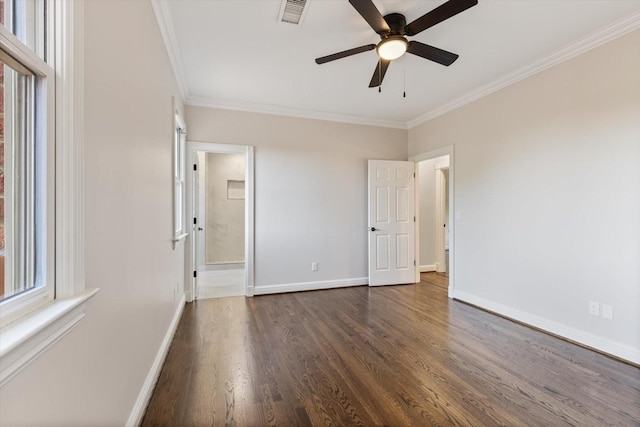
(195, 213)
(202, 217)
(391, 222)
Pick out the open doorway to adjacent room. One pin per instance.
(434, 228)
(222, 206)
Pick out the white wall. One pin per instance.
(311, 190)
(548, 188)
(224, 217)
(94, 375)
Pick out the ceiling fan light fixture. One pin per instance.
(392, 47)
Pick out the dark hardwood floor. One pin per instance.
(388, 356)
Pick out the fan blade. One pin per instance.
(371, 14)
(345, 53)
(431, 53)
(378, 74)
(437, 15)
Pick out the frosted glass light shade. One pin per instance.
(392, 48)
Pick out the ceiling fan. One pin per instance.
(393, 28)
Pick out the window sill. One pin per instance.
(179, 239)
(22, 341)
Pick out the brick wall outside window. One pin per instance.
(2, 257)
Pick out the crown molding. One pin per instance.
(161, 10)
(593, 40)
(251, 107)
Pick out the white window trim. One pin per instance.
(43, 93)
(179, 176)
(31, 335)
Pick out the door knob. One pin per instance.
(200, 229)
(372, 229)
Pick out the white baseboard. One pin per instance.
(310, 286)
(135, 418)
(427, 268)
(582, 337)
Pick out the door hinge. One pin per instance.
(195, 220)
(414, 174)
(195, 273)
(414, 219)
(195, 167)
(414, 262)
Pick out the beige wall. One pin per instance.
(93, 376)
(311, 189)
(224, 216)
(547, 183)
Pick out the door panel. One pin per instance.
(391, 222)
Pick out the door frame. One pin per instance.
(440, 208)
(427, 155)
(191, 260)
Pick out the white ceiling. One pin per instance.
(236, 54)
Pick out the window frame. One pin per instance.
(32, 334)
(44, 185)
(179, 174)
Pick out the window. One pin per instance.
(27, 160)
(42, 296)
(179, 225)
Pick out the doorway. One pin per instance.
(434, 225)
(222, 206)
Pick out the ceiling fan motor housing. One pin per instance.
(396, 23)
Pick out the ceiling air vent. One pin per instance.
(292, 11)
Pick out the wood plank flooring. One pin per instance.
(388, 356)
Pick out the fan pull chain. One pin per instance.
(404, 88)
(379, 75)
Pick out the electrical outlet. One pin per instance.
(314, 266)
(607, 312)
(594, 308)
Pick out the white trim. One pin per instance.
(192, 148)
(135, 418)
(310, 286)
(427, 268)
(579, 336)
(249, 238)
(213, 147)
(179, 238)
(163, 16)
(438, 152)
(23, 341)
(251, 107)
(593, 40)
(69, 148)
(439, 229)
